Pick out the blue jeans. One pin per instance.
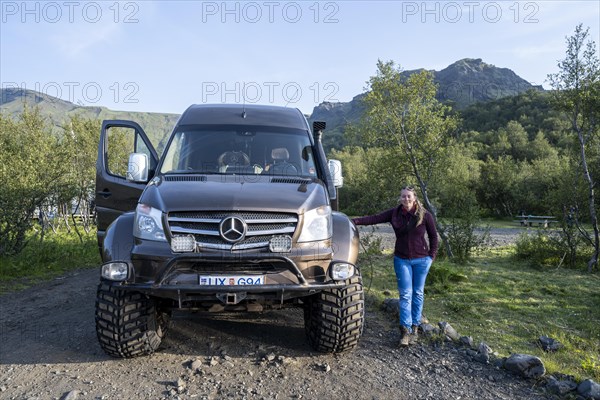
(411, 275)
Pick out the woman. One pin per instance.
(412, 256)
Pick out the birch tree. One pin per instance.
(577, 93)
(403, 116)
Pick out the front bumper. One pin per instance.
(264, 293)
(157, 271)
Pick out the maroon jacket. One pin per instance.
(409, 244)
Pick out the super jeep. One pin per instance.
(238, 214)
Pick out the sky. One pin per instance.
(162, 56)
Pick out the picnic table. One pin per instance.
(542, 221)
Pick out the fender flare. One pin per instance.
(345, 238)
(118, 240)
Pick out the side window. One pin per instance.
(121, 142)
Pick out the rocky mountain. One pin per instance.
(469, 81)
(461, 84)
(12, 101)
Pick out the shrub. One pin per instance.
(464, 240)
(551, 248)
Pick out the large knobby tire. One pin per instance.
(128, 324)
(333, 319)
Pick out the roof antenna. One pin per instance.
(244, 101)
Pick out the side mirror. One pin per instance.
(335, 169)
(137, 168)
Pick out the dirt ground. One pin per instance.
(49, 350)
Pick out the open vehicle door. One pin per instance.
(115, 192)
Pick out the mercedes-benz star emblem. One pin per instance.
(233, 229)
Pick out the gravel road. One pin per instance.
(498, 236)
(48, 350)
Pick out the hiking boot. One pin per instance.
(414, 336)
(404, 336)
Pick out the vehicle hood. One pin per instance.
(235, 193)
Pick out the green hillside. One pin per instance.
(156, 125)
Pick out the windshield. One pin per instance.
(240, 150)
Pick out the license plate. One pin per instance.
(231, 280)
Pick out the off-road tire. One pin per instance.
(333, 319)
(128, 324)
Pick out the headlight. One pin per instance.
(148, 223)
(317, 225)
(341, 271)
(115, 271)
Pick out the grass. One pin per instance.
(42, 260)
(509, 305)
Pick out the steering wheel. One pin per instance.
(237, 158)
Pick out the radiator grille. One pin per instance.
(204, 225)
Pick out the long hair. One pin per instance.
(420, 211)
